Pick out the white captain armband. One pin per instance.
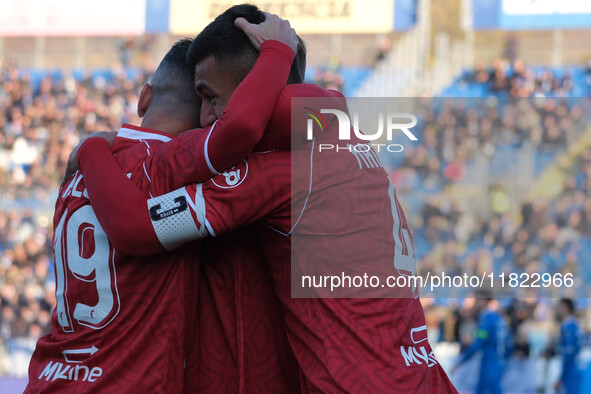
(172, 220)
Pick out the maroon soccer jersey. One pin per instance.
(121, 322)
(325, 213)
(340, 221)
(340, 343)
(124, 323)
(242, 335)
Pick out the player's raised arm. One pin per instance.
(73, 165)
(114, 197)
(141, 226)
(195, 157)
(259, 187)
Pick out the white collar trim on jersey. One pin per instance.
(132, 134)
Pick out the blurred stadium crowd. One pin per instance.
(43, 115)
(539, 234)
(42, 118)
(511, 229)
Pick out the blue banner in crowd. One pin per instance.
(405, 14)
(531, 15)
(157, 16)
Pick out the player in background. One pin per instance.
(123, 323)
(493, 341)
(342, 344)
(569, 345)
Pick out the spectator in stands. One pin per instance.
(499, 199)
(499, 80)
(511, 77)
(384, 47)
(511, 47)
(329, 76)
(481, 74)
(126, 48)
(25, 277)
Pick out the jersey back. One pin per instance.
(327, 214)
(240, 343)
(120, 323)
(347, 222)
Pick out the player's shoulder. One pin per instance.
(322, 98)
(256, 169)
(486, 317)
(312, 98)
(308, 90)
(136, 133)
(273, 160)
(72, 195)
(131, 139)
(121, 144)
(130, 154)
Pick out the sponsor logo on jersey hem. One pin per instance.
(418, 354)
(74, 355)
(79, 373)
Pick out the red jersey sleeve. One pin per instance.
(113, 196)
(197, 155)
(257, 187)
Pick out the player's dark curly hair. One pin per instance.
(231, 47)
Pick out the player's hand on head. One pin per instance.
(272, 28)
(73, 164)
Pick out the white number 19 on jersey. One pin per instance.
(84, 266)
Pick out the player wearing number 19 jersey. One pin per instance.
(123, 323)
(321, 213)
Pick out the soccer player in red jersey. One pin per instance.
(320, 212)
(123, 323)
(342, 344)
